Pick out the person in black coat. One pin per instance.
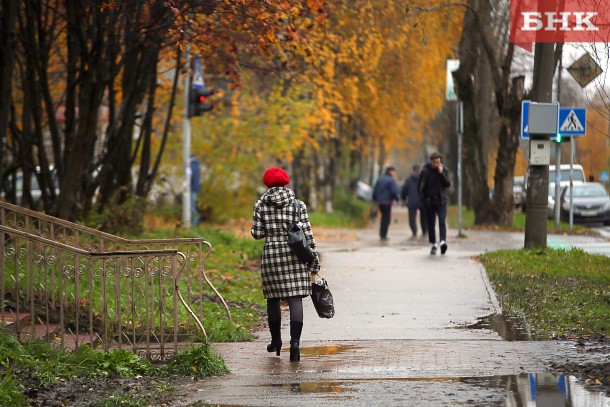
(410, 194)
(433, 192)
(384, 194)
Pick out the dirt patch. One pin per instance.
(157, 391)
(595, 376)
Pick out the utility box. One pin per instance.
(540, 152)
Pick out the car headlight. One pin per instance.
(607, 206)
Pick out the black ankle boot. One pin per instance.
(276, 337)
(295, 337)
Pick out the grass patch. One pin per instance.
(198, 362)
(517, 226)
(560, 292)
(38, 365)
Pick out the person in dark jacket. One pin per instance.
(410, 194)
(384, 194)
(284, 275)
(433, 192)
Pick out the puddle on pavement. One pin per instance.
(325, 350)
(314, 387)
(527, 389)
(509, 328)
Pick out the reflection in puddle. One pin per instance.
(509, 328)
(314, 387)
(531, 390)
(542, 390)
(325, 350)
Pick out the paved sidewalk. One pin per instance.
(400, 335)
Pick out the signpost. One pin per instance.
(571, 122)
(460, 132)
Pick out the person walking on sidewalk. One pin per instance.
(433, 191)
(410, 194)
(284, 276)
(384, 194)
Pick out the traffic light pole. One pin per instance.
(186, 145)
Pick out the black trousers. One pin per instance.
(386, 215)
(423, 221)
(436, 209)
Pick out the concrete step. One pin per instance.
(13, 320)
(73, 341)
(42, 331)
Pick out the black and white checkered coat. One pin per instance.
(283, 274)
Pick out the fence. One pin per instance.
(70, 285)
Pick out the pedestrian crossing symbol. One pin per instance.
(572, 121)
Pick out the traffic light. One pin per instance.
(556, 138)
(197, 101)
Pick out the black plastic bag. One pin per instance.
(322, 298)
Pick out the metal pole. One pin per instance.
(557, 180)
(460, 128)
(571, 183)
(186, 143)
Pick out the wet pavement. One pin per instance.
(410, 330)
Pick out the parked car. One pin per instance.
(591, 203)
(578, 173)
(35, 190)
(518, 191)
(364, 191)
(551, 199)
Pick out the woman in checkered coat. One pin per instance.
(284, 275)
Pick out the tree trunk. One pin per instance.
(475, 171)
(8, 17)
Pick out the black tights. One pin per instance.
(274, 313)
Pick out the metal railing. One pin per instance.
(116, 291)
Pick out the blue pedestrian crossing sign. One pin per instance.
(525, 108)
(572, 121)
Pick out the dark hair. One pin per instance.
(416, 167)
(389, 169)
(436, 155)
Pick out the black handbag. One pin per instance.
(296, 237)
(322, 298)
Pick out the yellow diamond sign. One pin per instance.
(584, 70)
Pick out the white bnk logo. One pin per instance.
(533, 21)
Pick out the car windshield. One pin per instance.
(587, 190)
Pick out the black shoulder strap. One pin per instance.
(297, 210)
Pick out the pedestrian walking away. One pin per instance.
(410, 194)
(284, 276)
(385, 193)
(433, 192)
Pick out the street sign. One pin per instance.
(584, 70)
(198, 74)
(604, 176)
(525, 109)
(572, 121)
(452, 66)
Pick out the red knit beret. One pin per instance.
(276, 177)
